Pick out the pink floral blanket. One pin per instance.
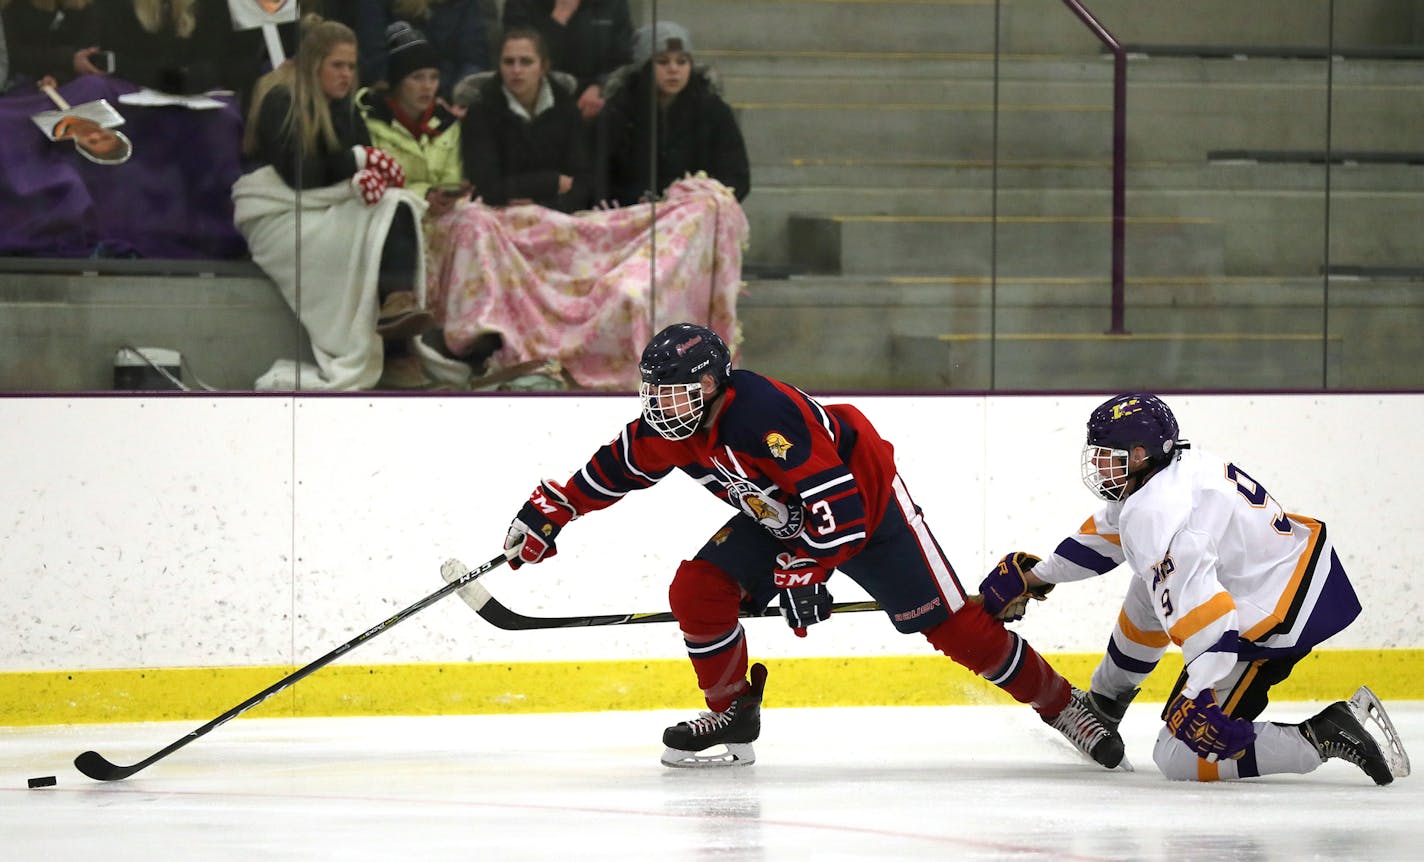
(588, 290)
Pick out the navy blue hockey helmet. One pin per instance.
(672, 368)
(1115, 428)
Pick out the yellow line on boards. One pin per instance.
(201, 694)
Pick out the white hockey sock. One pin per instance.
(1281, 748)
(1278, 749)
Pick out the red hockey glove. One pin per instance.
(368, 186)
(1206, 730)
(380, 161)
(1006, 591)
(531, 534)
(805, 600)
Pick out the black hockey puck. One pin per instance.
(43, 781)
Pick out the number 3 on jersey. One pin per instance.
(822, 509)
(1256, 495)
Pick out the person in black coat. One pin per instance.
(586, 38)
(694, 131)
(180, 46)
(55, 38)
(522, 140)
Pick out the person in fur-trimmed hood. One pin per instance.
(522, 140)
(695, 130)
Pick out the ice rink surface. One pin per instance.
(964, 783)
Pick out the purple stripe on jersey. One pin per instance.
(1086, 557)
(1127, 662)
(1230, 642)
(1335, 609)
(1246, 766)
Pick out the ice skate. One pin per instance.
(1081, 725)
(1339, 731)
(735, 728)
(1111, 710)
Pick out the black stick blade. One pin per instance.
(94, 765)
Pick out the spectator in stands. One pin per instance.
(177, 46)
(694, 130)
(305, 131)
(455, 29)
(586, 38)
(405, 120)
(522, 140)
(55, 38)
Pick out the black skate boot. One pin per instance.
(1081, 725)
(1111, 710)
(1338, 731)
(736, 728)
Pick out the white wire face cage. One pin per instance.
(674, 410)
(1105, 471)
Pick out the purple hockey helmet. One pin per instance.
(1115, 428)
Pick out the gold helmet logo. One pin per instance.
(778, 445)
(1125, 408)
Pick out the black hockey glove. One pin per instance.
(531, 534)
(805, 606)
(1005, 590)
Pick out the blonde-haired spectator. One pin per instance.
(360, 229)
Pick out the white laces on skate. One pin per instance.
(710, 722)
(1082, 727)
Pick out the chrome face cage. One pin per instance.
(674, 410)
(1109, 480)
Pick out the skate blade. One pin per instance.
(737, 754)
(1368, 710)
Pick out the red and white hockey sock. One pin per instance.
(721, 667)
(982, 644)
(706, 602)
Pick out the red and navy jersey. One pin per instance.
(816, 477)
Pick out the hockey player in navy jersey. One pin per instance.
(816, 490)
(1219, 568)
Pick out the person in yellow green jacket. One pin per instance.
(405, 119)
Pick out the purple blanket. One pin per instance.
(171, 200)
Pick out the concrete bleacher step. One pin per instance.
(1056, 360)
(931, 333)
(59, 331)
(1022, 245)
(873, 25)
(1293, 219)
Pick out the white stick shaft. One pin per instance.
(55, 97)
(274, 45)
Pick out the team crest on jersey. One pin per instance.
(778, 445)
(781, 520)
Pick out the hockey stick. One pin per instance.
(94, 765)
(499, 616)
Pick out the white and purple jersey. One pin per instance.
(1232, 575)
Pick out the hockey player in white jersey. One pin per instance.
(1219, 568)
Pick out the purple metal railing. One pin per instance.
(1119, 156)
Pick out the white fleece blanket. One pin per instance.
(329, 280)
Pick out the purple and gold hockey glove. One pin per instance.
(1206, 729)
(1005, 590)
